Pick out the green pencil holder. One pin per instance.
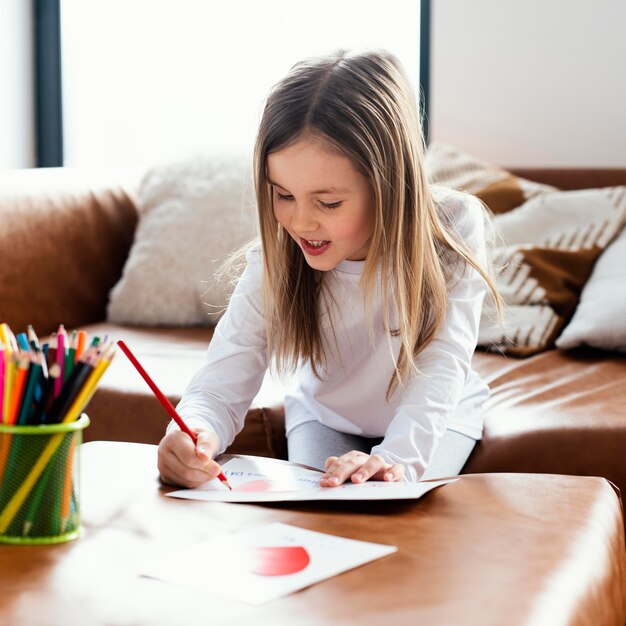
(39, 482)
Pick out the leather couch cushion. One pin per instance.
(556, 412)
(67, 234)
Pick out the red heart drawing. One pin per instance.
(278, 560)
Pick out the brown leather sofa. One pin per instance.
(65, 235)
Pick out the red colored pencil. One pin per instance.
(169, 407)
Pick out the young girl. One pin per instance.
(367, 284)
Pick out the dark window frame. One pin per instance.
(47, 83)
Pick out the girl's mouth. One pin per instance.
(314, 247)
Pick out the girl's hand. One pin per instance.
(183, 463)
(359, 467)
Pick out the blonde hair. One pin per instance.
(363, 106)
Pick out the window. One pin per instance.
(147, 80)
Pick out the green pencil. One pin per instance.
(36, 500)
(34, 376)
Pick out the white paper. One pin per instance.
(238, 555)
(259, 479)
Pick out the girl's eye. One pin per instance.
(281, 196)
(330, 205)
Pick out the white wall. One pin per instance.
(17, 143)
(531, 82)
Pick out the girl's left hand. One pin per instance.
(359, 467)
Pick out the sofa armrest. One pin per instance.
(65, 235)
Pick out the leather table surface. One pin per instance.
(487, 549)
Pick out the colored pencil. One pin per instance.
(27, 403)
(47, 395)
(81, 342)
(89, 388)
(71, 389)
(70, 359)
(2, 370)
(27, 395)
(21, 494)
(32, 338)
(35, 501)
(60, 359)
(9, 370)
(3, 334)
(7, 337)
(50, 349)
(167, 405)
(18, 387)
(22, 342)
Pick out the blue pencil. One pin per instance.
(22, 341)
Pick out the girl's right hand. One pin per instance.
(185, 464)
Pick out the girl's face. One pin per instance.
(322, 201)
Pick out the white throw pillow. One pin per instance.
(545, 254)
(192, 214)
(600, 319)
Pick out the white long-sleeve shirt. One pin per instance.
(351, 396)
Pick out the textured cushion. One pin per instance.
(547, 250)
(546, 244)
(600, 319)
(193, 213)
(500, 190)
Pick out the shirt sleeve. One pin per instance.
(430, 398)
(221, 391)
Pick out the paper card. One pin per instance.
(264, 563)
(259, 479)
(254, 474)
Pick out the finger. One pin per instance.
(374, 465)
(390, 473)
(395, 474)
(343, 468)
(329, 462)
(206, 445)
(179, 464)
(173, 472)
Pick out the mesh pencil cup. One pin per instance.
(39, 482)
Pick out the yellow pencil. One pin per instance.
(7, 337)
(20, 496)
(89, 388)
(5, 332)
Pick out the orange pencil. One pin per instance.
(18, 388)
(81, 342)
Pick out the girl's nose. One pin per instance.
(303, 219)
